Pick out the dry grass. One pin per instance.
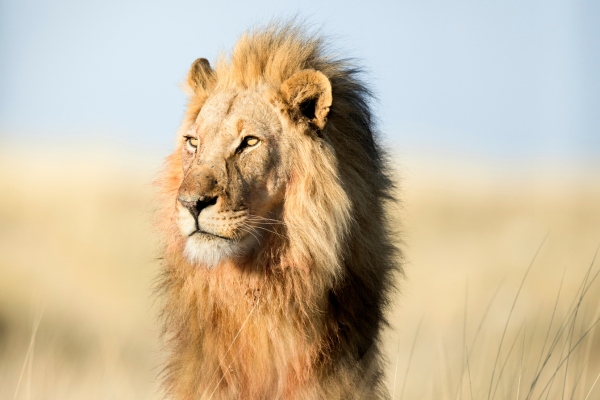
(75, 244)
(74, 237)
(472, 233)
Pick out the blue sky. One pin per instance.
(505, 80)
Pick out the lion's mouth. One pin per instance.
(201, 232)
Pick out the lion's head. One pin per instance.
(236, 160)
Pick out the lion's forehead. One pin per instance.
(217, 107)
(226, 106)
(227, 114)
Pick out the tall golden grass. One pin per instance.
(500, 299)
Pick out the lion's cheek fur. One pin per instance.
(316, 203)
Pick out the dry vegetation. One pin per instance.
(76, 250)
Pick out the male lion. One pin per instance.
(279, 260)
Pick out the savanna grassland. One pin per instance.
(480, 315)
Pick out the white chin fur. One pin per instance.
(211, 253)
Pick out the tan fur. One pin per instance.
(299, 316)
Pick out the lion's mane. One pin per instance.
(304, 320)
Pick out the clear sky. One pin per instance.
(502, 79)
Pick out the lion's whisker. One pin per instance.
(248, 231)
(267, 220)
(270, 231)
(265, 229)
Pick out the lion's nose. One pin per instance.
(195, 206)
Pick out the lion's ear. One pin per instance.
(308, 93)
(200, 76)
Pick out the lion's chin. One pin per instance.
(209, 251)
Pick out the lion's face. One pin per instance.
(234, 176)
(236, 161)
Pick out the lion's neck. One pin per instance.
(256, 332)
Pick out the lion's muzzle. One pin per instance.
(206, 219)
(198, 190)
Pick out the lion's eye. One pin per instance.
(249, 141)
(192, 142)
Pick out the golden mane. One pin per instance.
(303, 319)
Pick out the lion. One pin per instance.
(279, 257)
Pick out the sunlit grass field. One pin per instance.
(499, 300)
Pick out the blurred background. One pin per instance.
(490, 112)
